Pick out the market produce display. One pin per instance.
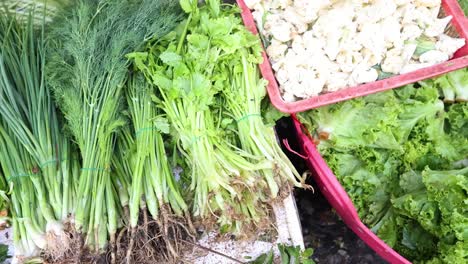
(323, 46)
(130, 127)
(401, 156)
(123, 135)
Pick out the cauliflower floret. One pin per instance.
(308, 9)
(391, 28)
(276, 49)
(370, 75)
(385, 7)
(433, 56)
(276, 65)
(282, 31)
(333, 47)
(282, 76)
(349, 60)
(345, 60)
(372, 38)
(334, 20)
(297, 74)
(316, 58)
(437, 27)
(298, 45)
(427, 3)
(408, 52)
(364, 75)
(271, 20)
(411, 32)
(376, 11)
(293, 60)
(278, 28)
(393, 61)
(293, 87)
(292, 17)
(323, 65)
(407, 12)
(312, 43)
(370, 57)
(312, 85)
(337, 81)
(414, 66)
(424, 16)
(329, 72)
(288, 97)
(449, 45)
(348, 38)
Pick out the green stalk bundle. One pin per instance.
(29, 115)
(189, 68)
(152, 184)
(151, 173)
(27, 193)
(243, 96)
(88, 69)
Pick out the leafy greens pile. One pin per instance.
(402, 157)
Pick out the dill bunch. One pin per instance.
(87, 69)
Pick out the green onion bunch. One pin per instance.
(45, 165)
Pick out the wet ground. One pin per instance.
(323, 230)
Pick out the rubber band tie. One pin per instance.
(145, 129)
(20, 175)
(195, 139)
(55, 161)
(48, 162)
(248, 116)
(96, 169)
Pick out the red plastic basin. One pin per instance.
(460, 60)
(339, 199)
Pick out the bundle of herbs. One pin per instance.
(208, 86)
(31, 129)
(87, 70)
(152, 185)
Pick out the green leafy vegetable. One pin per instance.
(209, 87)
(3, 253)
(288, 255)
(401, 155)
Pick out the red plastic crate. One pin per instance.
(460, 60)
(339, 199)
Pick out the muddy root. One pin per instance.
(72, 252)
(154, 241)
